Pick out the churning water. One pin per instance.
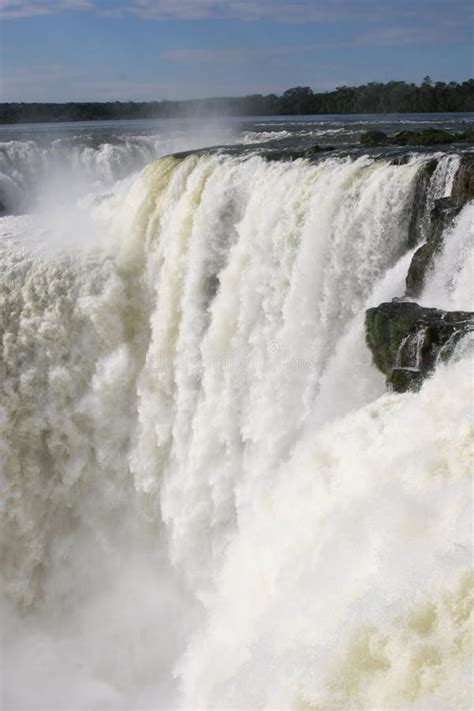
(210, 500)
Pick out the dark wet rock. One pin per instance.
(463, 186)
(419, 216)
(212, 286)
(283, 154)
(408, 340)
(401, 160)
(374, 138)
(442, 215)
(468, 136)
(315, 149)
(426, 137)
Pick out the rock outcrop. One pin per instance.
(427, 137)
(443, 213)
(416, 227)
(408, 340)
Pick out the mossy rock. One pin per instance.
(426, 137)
(402, 380)
(408, 340)
(374, 138)
(468, 136)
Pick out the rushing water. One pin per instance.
(59, 162)
(210, 500)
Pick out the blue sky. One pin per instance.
(86, 50)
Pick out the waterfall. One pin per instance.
(192, 432)
(35, 169)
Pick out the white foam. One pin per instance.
(209, 501)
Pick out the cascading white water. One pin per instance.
(450, 282)
(26, 165)
(60, 170)
(201, 465)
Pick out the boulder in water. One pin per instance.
(408, 340)
(426, 137)
(374, 138)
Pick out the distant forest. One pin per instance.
(393, 97)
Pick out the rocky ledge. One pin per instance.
(443, 213)
(426, 137)
(408, 340)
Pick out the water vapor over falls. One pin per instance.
(200, 459)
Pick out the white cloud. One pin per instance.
(373, 12)
(246, 10)
(282, 11)
(383, 12)
(406, 36)
(233, 55)
(381, 37)
(16, 9)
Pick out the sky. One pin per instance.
(106, 50)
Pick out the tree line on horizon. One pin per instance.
(377, 98)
